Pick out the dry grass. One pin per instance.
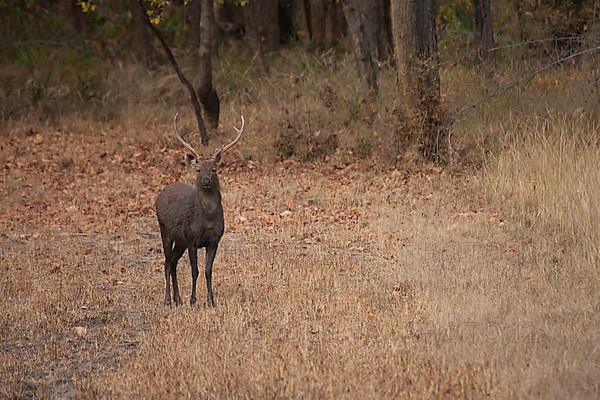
(549, 172)
(307, 305)
(388, 284)
(335, 279)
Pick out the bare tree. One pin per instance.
(484, 33)
(229, 20)
(195, 9)
(206, 91)
(261, 21)
(254, 33)
(385, 47)
(417, 62)
(362, 18)
(184, 80)
(334, 23)
(324, 21)
(142, 38)
(316, 18)
(270, 24)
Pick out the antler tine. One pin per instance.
(186, 144)
(239, 131)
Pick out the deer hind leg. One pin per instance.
(177, 253)
(168, 250)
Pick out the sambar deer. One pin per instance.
(191, 217)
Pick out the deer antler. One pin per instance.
(186, 144)
(239, 131)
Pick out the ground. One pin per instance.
(356, 281)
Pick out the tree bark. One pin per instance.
(335, 23)
(484, 33)
(386, 42)
(206, 91)
(417, 63)
(324, 20)
(363, 27)
(307, 17)
(370, 13)
(317, 18)
(332, 25)
(229, 20)
(195, 10)
(261, 21)
(143, 43)
(253, 37)
(270, 24)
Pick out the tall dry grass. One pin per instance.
(550, 175)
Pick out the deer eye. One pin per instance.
(214, 170)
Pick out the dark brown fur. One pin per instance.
(190, 218)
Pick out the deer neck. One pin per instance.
(209, 201)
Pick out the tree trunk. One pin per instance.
(206, 91)
(332, 25)
(386, 42)
(143, 43)
(287, 24)
(253, 37)
(195, 10)
(229, 20)
(417, 63)
(335, 23)
(269, 24)
(363, 27)
(261, 20)
(484, 34)
(317, 18)
(325, 22)
(305, 5)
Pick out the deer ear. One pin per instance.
(190, 160)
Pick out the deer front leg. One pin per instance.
(193, 254)
(211, 251)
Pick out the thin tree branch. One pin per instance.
(190, 88)
(526, 78)
(558, 39)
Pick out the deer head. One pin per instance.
(206, 169)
